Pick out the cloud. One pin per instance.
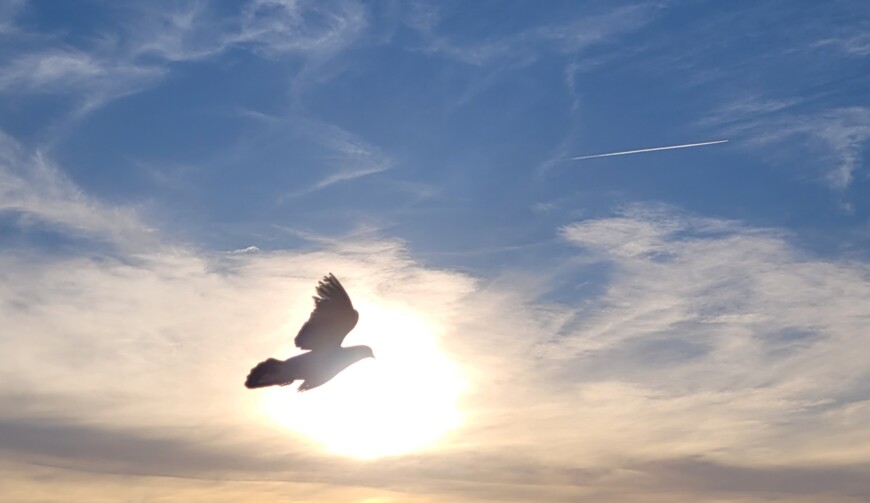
(138, 53)
(272, 28)
(361, 158)
(73, 72)
(89, 77)
(697, 346)
(748, 107)
(695, 358)
(817, 482)
(703, 338)
(102, 449)
(347, 153)
(835, 137)
(424, 19)
(247, 249)
(187, 33)
(840, 135)
(44, 71)
(814, 124)
(281, 26)
(8, 12)
(853, 44)
(33, 188)
(595, 29)
(727, 323)
(844, 133)
(571, 37)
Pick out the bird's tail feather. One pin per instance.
(271, 372)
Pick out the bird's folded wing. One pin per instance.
(333, 317)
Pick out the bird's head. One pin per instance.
(357, 353)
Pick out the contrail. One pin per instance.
(654, 149)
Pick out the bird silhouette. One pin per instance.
(332, 319)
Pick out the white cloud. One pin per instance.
(116, 65)
(45, 70)
(270, 27)
(279, 26)
(588, 31)
(247, 249)
(32, 186)
(358, 157)
(706, 338)
(853, 44)
(839, 135)
(572, 36)
(348, 154)
(186, 34)
(748, 107)
(836, 138)
(8, 12)
(349, 174)
(750, 342)
(72, 72)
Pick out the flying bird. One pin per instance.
(332, 319)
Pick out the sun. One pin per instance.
(402, 401)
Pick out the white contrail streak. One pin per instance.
(654, 149)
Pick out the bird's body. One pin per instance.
(333, 317)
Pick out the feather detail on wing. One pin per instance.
(333, 317)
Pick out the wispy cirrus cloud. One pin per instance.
(35, 189)
(42, 72)
(348, 154)
(75, 73)
(356, 157)
(272, 28)
(570, 37)
(279, 26)
(836, 137)
(8, 12)
(188, 32)
(807, 113)
(137, 53)
(598, 28)
(855, 44)
(844, 133)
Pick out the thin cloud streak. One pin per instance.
(643, 150)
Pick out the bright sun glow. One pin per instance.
(400, 402)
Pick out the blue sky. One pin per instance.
(188, 167)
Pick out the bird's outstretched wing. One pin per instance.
(333, 317)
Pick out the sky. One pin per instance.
(685, 325)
